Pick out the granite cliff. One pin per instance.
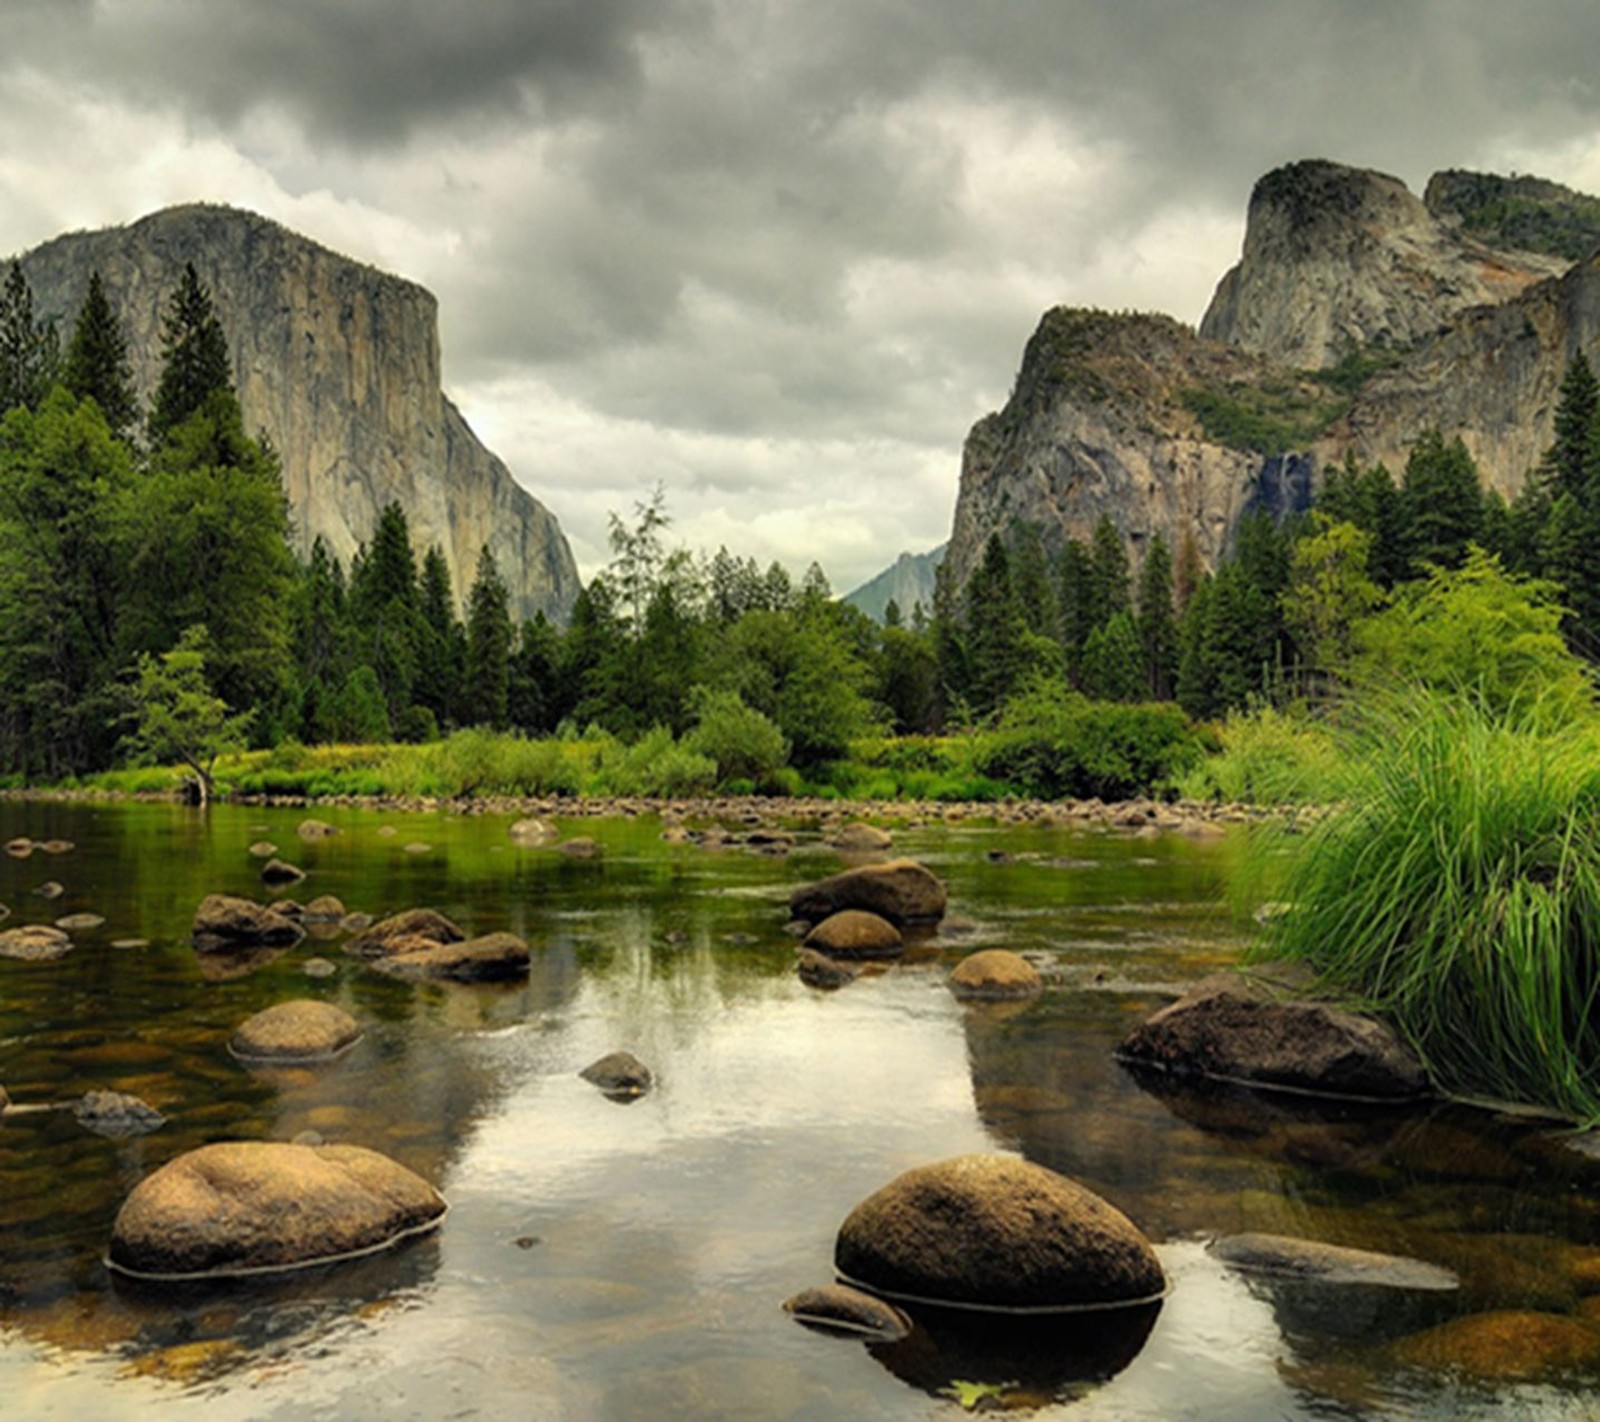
(1358, 317)
(339, 364)
(907, 581)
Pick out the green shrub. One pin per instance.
(741, 742)
(1458, 891)
(1052, 744)
(1268, 757)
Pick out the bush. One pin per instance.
(741, 742)
(1458, 891)
(1054, 744)
(1268, 757)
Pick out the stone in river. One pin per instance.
(224, 922)
(837, 1308)
(34, 943)
(263, 849)
(245, 1207)
(277, 871)
(855, 933)
(621, 1075)
(117, 1115)
(380, 939)
(994, 973)
(493, 957)
(79, 922)
(900, 890)
(315, 829)
(299, 1031)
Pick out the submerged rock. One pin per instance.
(325, 908)
(1309, 1259)
(995, 973)
(818, 970)
(1508, 1345)
(57, 846)
(309, 830)
(621, 1075)
(837, 1308)
(994, 1232)
(19, 848)
(900, 890)
(263, 849)
(224, 922)
(579, 847)
(405, 931)
(300, 1031)
(854, 933)
(490, 958)
(246, 1207)
(34, 943)
(862, 838)
(1245, 1030)
(50, 889)
(117, 1115)
(532, 831)
(80, 922)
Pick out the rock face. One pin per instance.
(1336, 259)
(991, 1231)
(254, 1206)
(900, 890)
(1137, 418)
(1242, 1030)
(906, 582)
(339, 364)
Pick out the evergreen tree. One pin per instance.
(1114, 667)
(1075, 610)
(1030, 576)
(949, 646)
(1189, 573)
(1442, 502)
(441, 641)
(535, 675)
(96, 366)
(1110, 587)
(486, 691)
(1157, 625)
(1565, 468)
(29, 356)
(996, 631)
(384, 607)
(194, 357)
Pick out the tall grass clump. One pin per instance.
(1457, 891)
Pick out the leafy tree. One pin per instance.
(358, 712)
(29, 355)
(1329, 592)
(194, 357)
(744, 744)
(1157, 625)
(487, 690)
(637, 554)
(177, 717)
(96, 366)
(907, 683)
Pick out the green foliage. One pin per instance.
(1329, 592)
(1354, 368)
(1274, 417)
(96, 365)
(1458, 892)
(1442, 503)
(486, 692)
(1269, 757)
(1051, 745)
(740, 742)
(656, 765)
(1481, 634)
(194, 358)
(29, 353)
(175, 716)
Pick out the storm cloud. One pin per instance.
(776, 255)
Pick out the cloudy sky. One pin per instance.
(774, 254)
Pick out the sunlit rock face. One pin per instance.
(338, 363)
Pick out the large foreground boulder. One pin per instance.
(245, 1207)
(900, 890)
(493, 957)
(1248, 1030)
(994, 1232)
(404, 932)
(224, 922)
(300, 1031)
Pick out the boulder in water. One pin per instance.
(278, 871)
(34, 943)
(300, 1031)
(855, 933)
(409, 930)
(621, 1075)
(900, 890)
(493, 957)
(837, 1308)
(224, 922)
(117, 1115)
(994, 973)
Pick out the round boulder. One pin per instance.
(490, 958)
(34, 943)
(837, 1308)
(621, 1075)
(995, 973)
(309, 830)
(993, 1232)
(900, 890)
(818, 970)
(249, 1207)
(862, 838)
(325, 908)
(854, 933)
(384, 937)
(579, 847)
(299, 1031)
(532, 831)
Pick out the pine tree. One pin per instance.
(1075, 604)
(194, 357)
(1110, 585)
(1442, 502)
(96, 366)
(1565, 468)
(535, 675)
(487, 688)
(996, 631)
(1030, 575)
(29, 357)
(1157, 625)
(441, 641)
(1114, 661)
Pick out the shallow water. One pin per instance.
(628, 1261)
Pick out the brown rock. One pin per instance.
(579, 847)
(997, 1232)
(223, 922)
(854, 933)
(299, 1031)
(490, 958)
(859, 838)
(900, 890)
(1504, 1346)
(994, 973)
(309, 830)
(263, 849)
(57, 846)
(325, 908)
(1285, 1257)
(117, 1116)
(34, 943)
(818, 970)
(276, 871)
(79, 922)
(1246, 1030)
(532, 831)
(254, 1206)
(619, 1074)
(19, 848)
(418, 925)
(837, 1308)
(50, 889)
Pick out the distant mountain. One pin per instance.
(339, 364)
(906, 582)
